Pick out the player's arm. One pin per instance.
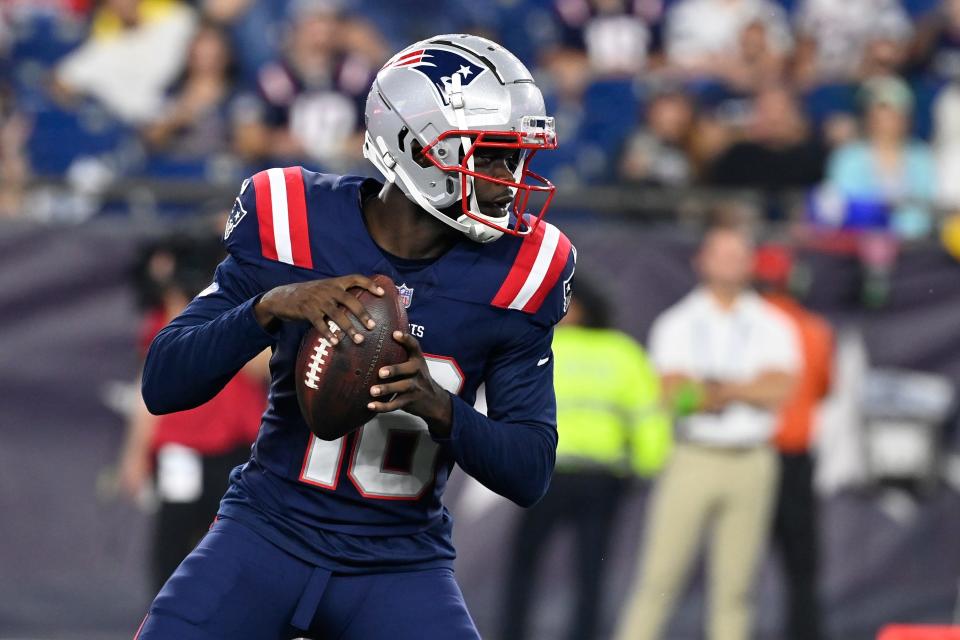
(193, 357)
(512, 450)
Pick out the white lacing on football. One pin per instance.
(317, 359)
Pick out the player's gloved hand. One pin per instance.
(409, 386)
(319, 301)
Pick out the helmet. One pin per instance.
(433, 105)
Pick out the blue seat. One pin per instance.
(825, 100)
(45, 39)
(610, 112)
(58, 137)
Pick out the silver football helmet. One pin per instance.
(433, 105)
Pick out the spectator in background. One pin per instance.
(313, 99)
(937, 43)
(713, 39)
(844, 42)
(659, 152)
(759, 62)
(252, 26)
(614, 33)
(946, 139)
(728, 361)
(564, 75)
(883, 57)
(196, 121)
(135, 49)
(191, 453)
(795, 528)
(776, 150)
(610, 426)
(712, 135)
(887, 169)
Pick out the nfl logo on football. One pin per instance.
(406, 294)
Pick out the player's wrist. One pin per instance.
(263, 312)
(440, 421)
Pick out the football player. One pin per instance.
(349, 539)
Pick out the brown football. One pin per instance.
(333, 382)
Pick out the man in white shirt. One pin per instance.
(727, 360)
(703, 37)
(136, 49)
(835, 37)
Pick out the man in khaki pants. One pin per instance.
(727, 359)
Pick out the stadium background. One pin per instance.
(85, 181)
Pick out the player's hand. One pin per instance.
(320, 302)
(409, 386)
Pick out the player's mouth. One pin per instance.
(498, 206)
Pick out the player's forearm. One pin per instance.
(514, 460)
(192, 359)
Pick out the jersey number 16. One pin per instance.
(393, 456)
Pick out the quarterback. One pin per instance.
(349, 538)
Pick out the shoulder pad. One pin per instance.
(282, 216)
(271, 217)
(540, 276)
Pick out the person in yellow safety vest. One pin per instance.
(611, 428)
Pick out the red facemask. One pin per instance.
(537, 134)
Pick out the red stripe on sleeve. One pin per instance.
(261, 186)
(297, 218)
(522, 265)
(557, 263)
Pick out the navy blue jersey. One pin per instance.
(484, 315)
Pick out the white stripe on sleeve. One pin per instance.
(541, 265)
(281, 221)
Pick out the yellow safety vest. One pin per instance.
(608, 411)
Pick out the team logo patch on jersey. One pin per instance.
(406, 294)
(237, 213)
(568, 283)
(440, 66)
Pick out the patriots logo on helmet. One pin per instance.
(440, 66)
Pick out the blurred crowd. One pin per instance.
(851, 105)
(857, 98)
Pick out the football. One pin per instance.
(333, 381)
